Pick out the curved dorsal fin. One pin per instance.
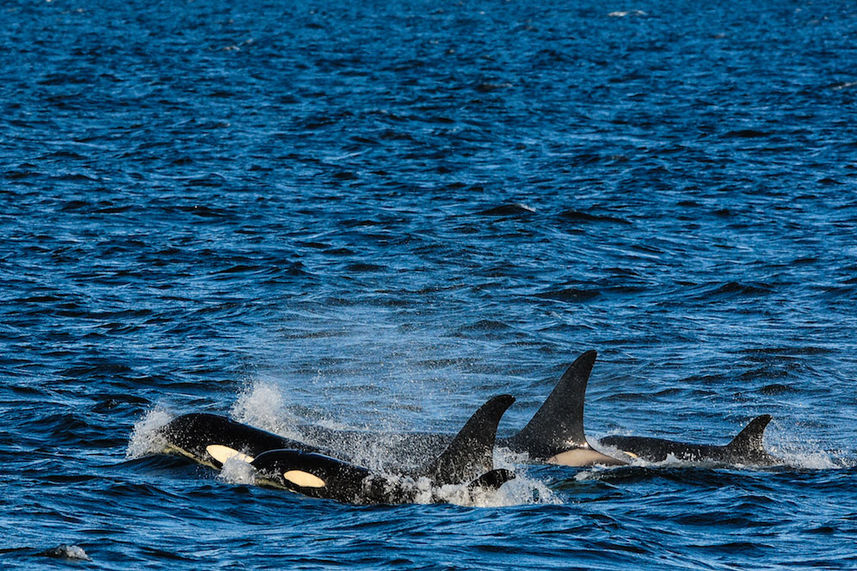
(471, 452)
(558, 424)
(491, 480)
(750, 439)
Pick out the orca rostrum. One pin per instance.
(211, 439)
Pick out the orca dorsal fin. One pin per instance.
(491, 480)
(471, 452)
(558, 424)
(750, 439)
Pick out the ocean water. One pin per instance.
(380, 214)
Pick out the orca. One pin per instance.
(320, 476)
(745, 449)
(211, 439)
(280, 462)
(554, 435)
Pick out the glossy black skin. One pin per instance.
(467, 459)
(348, 483)
(658, 450)
(343, 482)
(745, 449)
(191, 434)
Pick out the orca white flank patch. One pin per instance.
(223, 453)
(582, 457)
(303, 479)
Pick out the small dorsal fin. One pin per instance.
(750, 439)
(471, 452)
(558, 424)
(491, 480)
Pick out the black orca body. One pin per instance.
(284, 463)
(320, 476)
(554, 435)
(211, 440)
(745, 449)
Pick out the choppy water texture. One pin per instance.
(381, 214)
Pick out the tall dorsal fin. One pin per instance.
(471, 452)
(750, 439)
(558, 424)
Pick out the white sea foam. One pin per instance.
(808, 456)
(595, 472)
(237, 471)
(68, 552)
(523, 490)
(844, 85)
(799, 450)
(144, 438)
(261, 404)
(626, 13)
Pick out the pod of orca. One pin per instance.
(319, 466)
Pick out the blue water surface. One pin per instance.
(379, 215)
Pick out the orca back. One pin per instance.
(745, 448)
(210, 439)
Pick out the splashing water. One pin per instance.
(237, 471)
(64, 551)
(144, 439)
(261, 404)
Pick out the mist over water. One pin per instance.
(378, 216)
